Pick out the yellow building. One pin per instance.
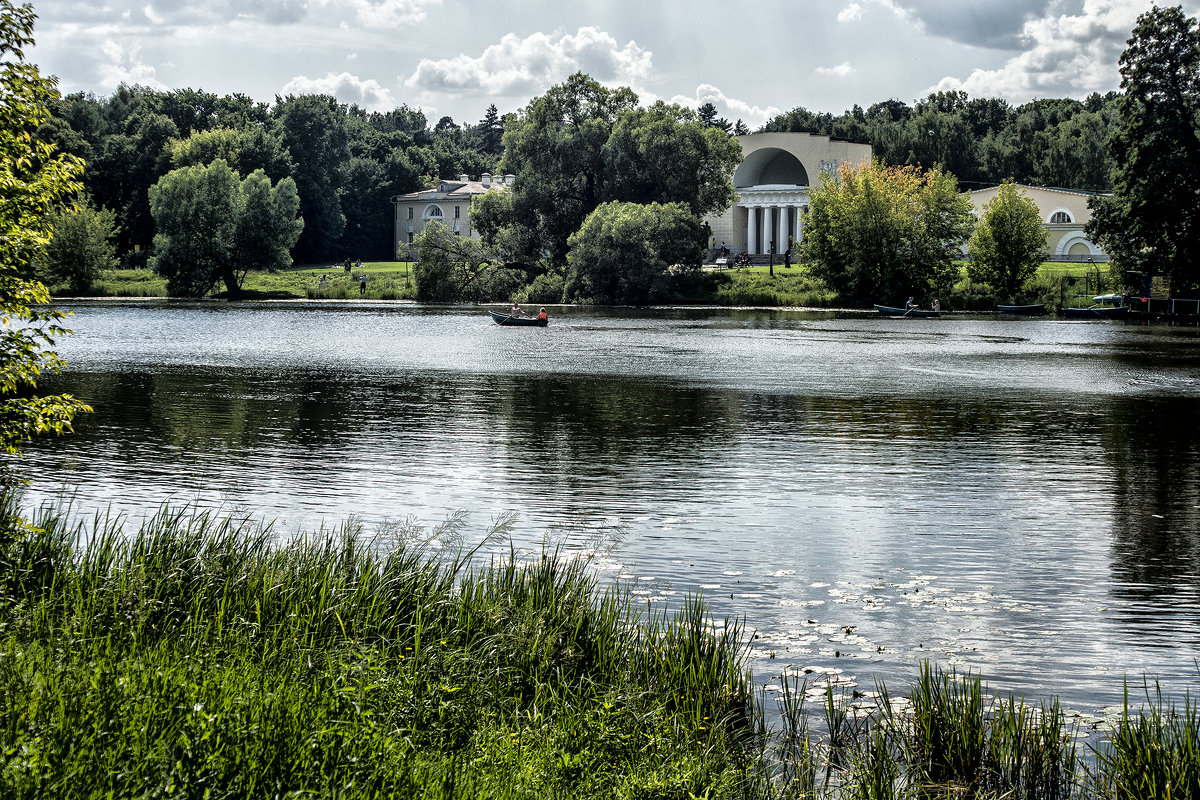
(448, 203)
(1064, 212)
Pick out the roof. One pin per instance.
(1078, 192)
(449, 190)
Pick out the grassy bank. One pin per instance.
(195, 656)
(751, 286)
(386, 280)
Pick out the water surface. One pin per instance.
(1020, 498)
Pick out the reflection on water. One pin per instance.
(1016, 497)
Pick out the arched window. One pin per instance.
(433, 212)
(1060, 218)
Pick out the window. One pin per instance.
(410, 212)
(433, 212)
(410, 235)
(1060, 218)
(456, 212)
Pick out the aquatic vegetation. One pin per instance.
(201, 655)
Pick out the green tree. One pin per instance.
(314, 133)
(878, 233)
(556, 150)
(214, 227)
(244, 150)
(581, 144)
(82, 245)
(1009, 241)
(36, 179)
(445, 264)
(624, 252)
(664, 154)
(491, 132)
(1152, 219)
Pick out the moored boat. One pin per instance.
(1096, 312)
(509, 319)
(892, 311)
(1031, 310)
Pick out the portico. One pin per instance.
(773, 184)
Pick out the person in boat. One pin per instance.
(542, 316)
(910, 305)
(516, 311)
(937, 305)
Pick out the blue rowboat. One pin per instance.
(1034, 310)
(891, 311)
(509, 319)
(1096, 312)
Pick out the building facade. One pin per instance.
(772, 184)
(1064, 212)
(448, 203)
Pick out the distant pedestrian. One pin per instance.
(362, 284)
(346, 266)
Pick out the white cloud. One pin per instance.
(840, 71)
(347, 88)
(386, 13)
(728, 107)
(850, 13)
(1064, 55)
(516, 66)
(123, 65)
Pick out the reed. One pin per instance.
(1152, 752)
(199, 655)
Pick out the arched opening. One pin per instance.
(770, 167)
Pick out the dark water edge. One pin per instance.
(1017, 498)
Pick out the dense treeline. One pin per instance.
(982, 141)
(347, 162)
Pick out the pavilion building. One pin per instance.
(773, 183)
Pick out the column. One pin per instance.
(800, 223)
(751, 229)
(766, 229)
(784, 213)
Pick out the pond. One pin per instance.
(1018, 498)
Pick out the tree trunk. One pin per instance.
(233, 289)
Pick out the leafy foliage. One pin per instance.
(1007, 245)
(35, 179)
(624, 252)
(878, 233)
(214, 226)
(581, 145)
(1153, 216)
(81, 247)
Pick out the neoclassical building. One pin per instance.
(772, 185)
(449, 203)
(1064, 213)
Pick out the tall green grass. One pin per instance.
(199, 655)
(196, 656)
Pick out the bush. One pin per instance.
(546, 288)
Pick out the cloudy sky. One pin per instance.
(455, 57)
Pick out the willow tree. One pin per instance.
(36, 180)
(213, 226)
(878, 234)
